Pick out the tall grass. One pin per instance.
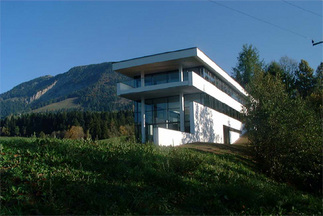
(50, 176)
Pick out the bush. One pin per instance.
(42, 134)
(76, 132)
(285, 134)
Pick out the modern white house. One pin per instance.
(182, 97)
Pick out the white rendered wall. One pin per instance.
(167, 137)
(207, 127)
(234, 136)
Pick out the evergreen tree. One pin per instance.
(248, 64)
(282, 71)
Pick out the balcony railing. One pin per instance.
(132, 83)
(155, 79)
(173, 76)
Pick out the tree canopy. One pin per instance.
(305, 80)
(283, 117)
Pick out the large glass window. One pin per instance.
(149, 111)
(185, 75)
(173, 76)
(137, 114)
(160, 112)
(137, 80)
(160, 78)
(160, 106)
(173, 112)
(148, 80)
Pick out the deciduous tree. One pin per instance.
(285, 133)
(305, 80)
(75, 132)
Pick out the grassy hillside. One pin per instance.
(115, 176)
(62, 105)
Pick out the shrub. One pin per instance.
(285, 133)
(76, 132)
(42, 134)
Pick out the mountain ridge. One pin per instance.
(92, 86)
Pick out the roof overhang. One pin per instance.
(158, 63)
(168, 61)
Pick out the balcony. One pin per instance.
(153, 85)
(162, 85)
(128, 90)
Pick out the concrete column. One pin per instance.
(143, 121)
(181, 75)
(181, 112)
(142, 76)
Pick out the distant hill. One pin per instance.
(90, 87)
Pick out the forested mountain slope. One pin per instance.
(93, 87)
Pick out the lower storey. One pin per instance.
(199, 124)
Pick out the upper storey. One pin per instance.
(172, 61)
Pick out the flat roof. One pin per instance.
(158, 62)
(180, 50)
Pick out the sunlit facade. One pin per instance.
(182, 97)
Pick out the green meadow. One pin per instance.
(119, 176)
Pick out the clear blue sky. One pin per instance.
(47, 38)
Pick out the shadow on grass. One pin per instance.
(239, 153)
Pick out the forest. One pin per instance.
(72, 124)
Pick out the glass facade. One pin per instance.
(137, 82)
(137, 118)
(154, 79)
(159, 112)
(160, 78)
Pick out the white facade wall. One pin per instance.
(167, 137)
(207, 127)
(234, 136)
(210, 89)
